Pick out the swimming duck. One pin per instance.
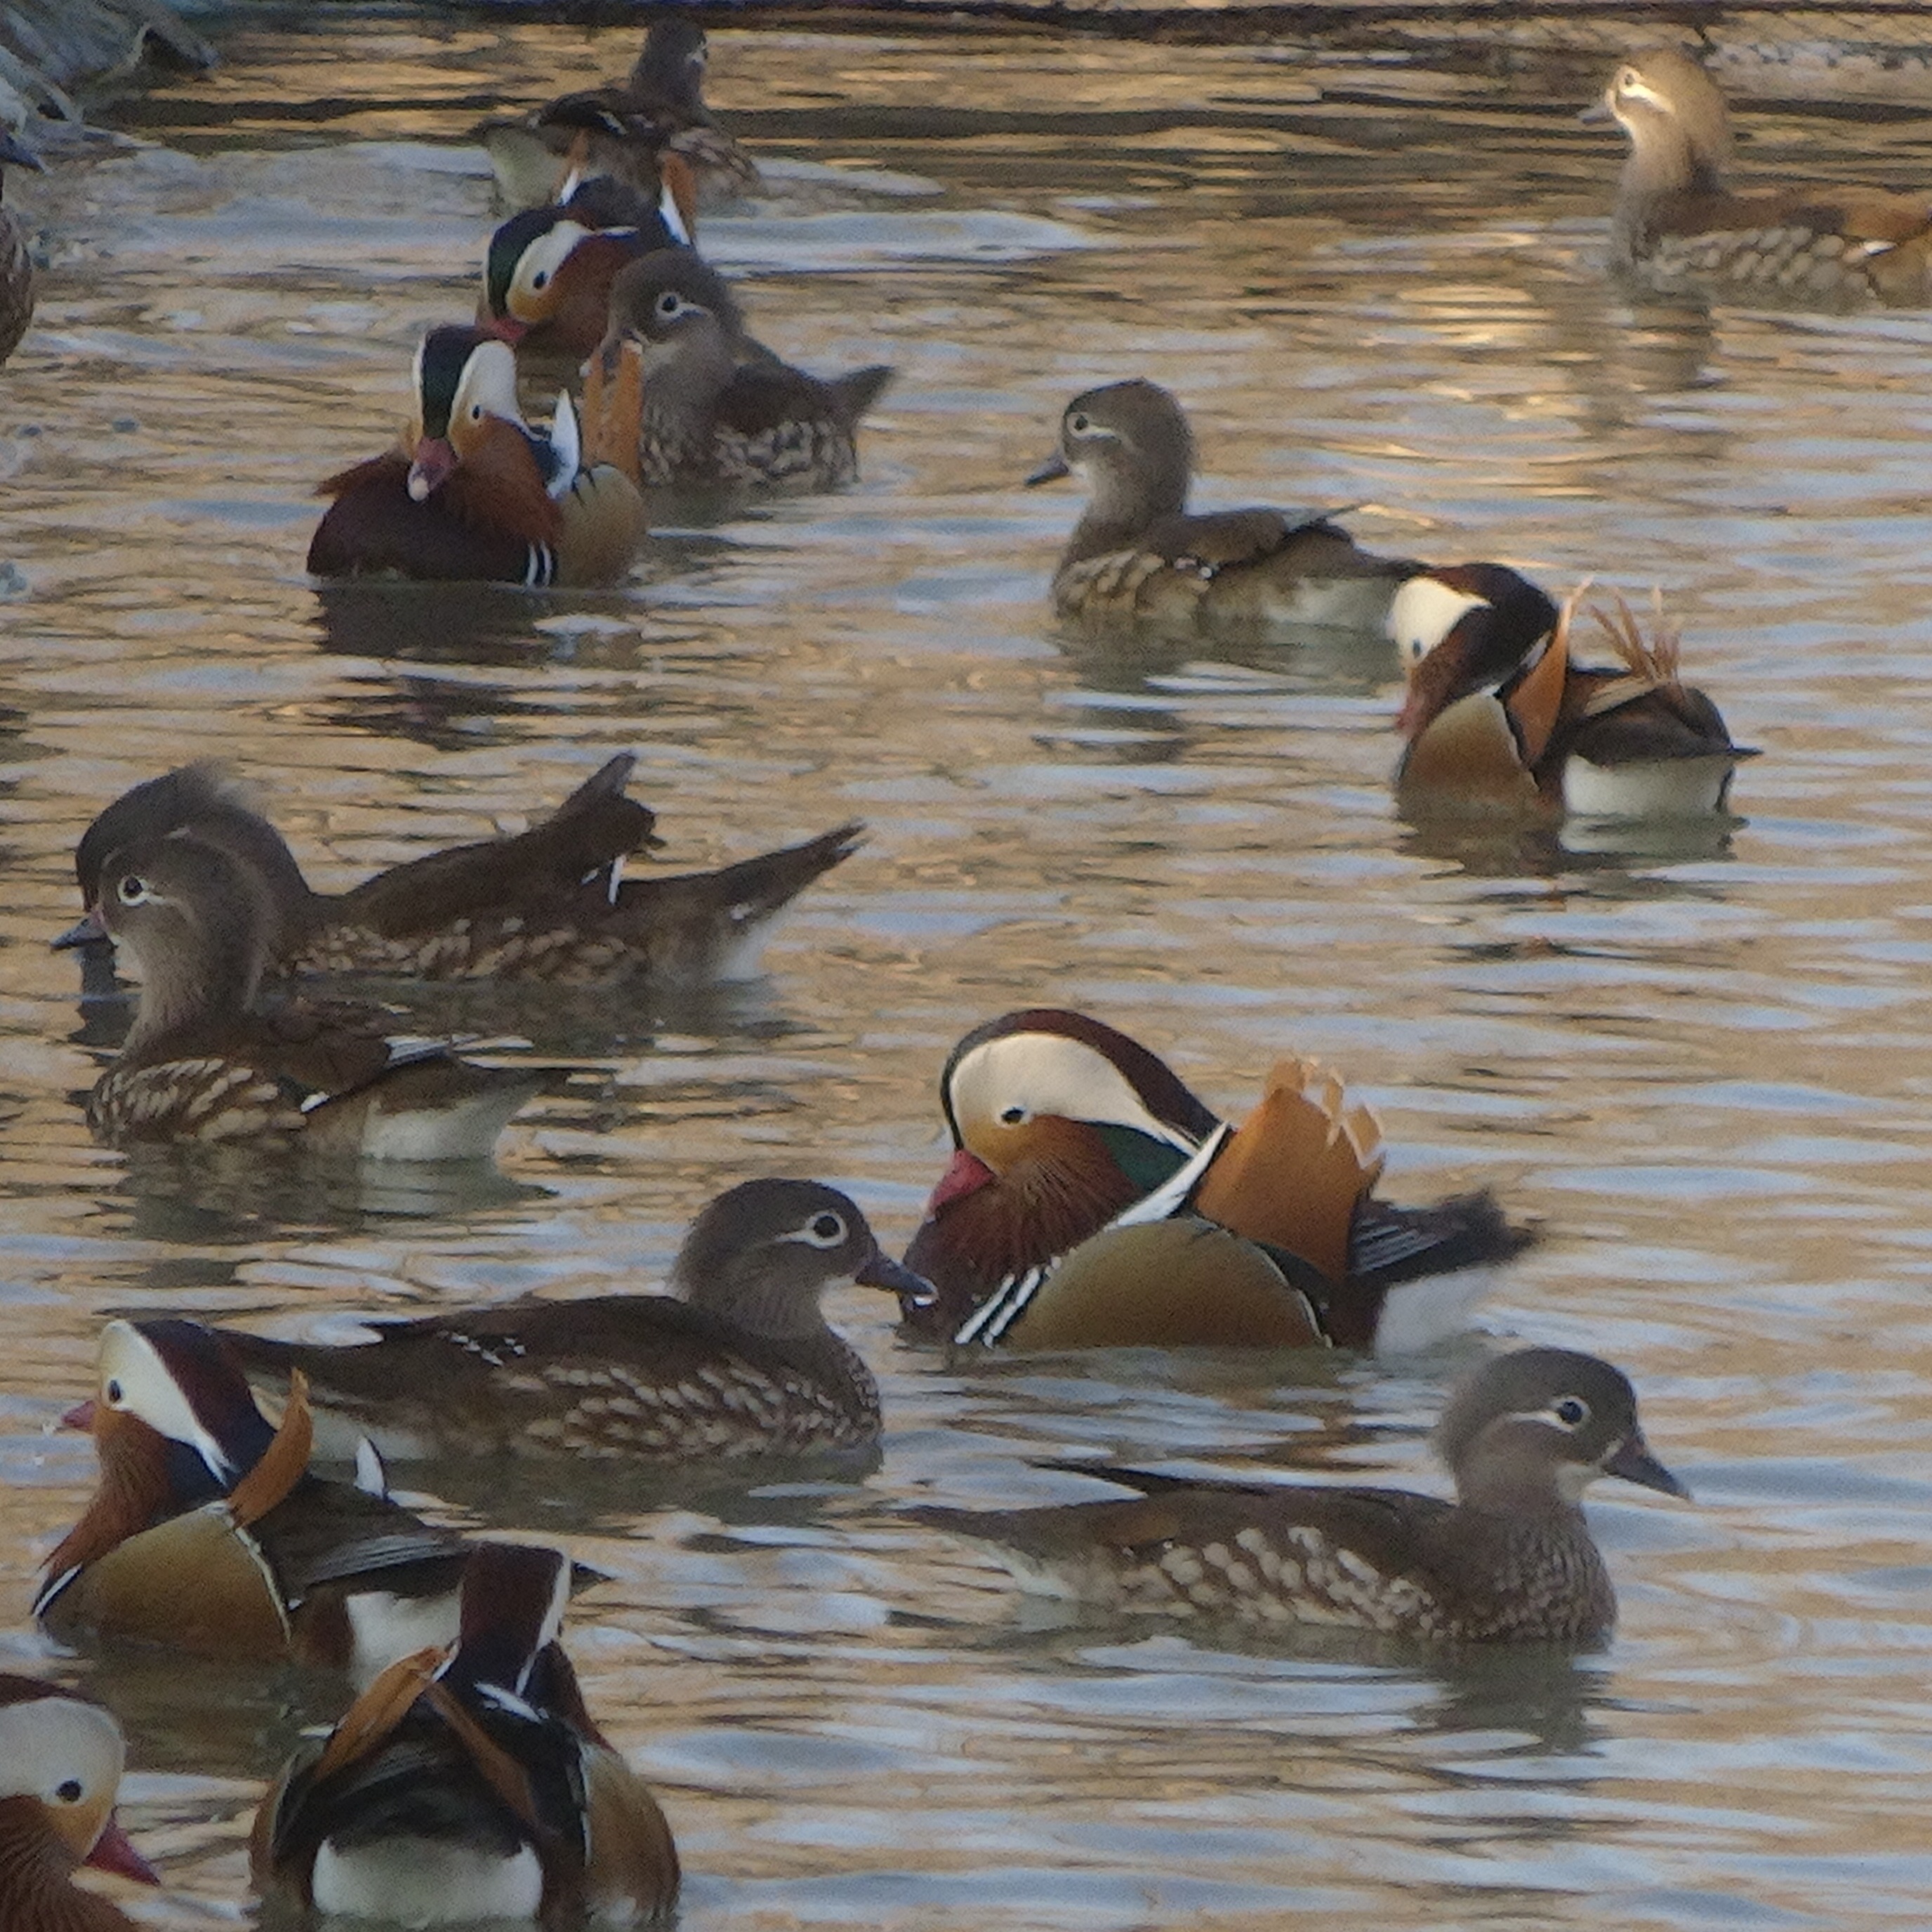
(548, 273)
(469, 1784)
(675, 397)
(61, 1760)
(549, 905)
(17, 265)
(473, 492)
(638, 129)
(1067, 1132)
(736, 1361)
(1137, 557)
(1511, 1560)
(1677, 223)
(204, 1062)
(1498, 717)
(207, 1532)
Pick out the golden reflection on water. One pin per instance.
(1702, 1066)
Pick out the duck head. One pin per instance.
(1462, 628)
(466, 394)
(61, 1761)
(763, 1252)
(1678, 126)
(1529, 1432)
(1059, 1122)
(1130, 444)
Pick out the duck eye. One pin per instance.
(825, 1231)
(1572, 1411)
(475, 411)
(115, 1395)
(1079, 423)
(132, 890)
(540, 280)
(1012, 1117)
(668, 303)
(68, 1791)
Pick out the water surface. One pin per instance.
(1703, 1067)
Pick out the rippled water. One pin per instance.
(1708, 1069)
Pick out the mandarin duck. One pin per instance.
(1511, 1560)
(1676, 223)
(17, 263)
(469, 1784)
(735, 1361)
(205, 1062)
(550, 904)
(641, 131)
(1137, 557)
(1068, 1132)
(61, 1760)
(548, 272)
(473, 492)
(206, 1532)
(676, 396)
(1498, 717)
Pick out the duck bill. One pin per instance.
(85, 930)
(1634, 1462)
(1596, 115)
(504, 328)
(914, 1290)
(434, 464)
(114, 1851)
(965, 1174)
(80, 1416)
(1051, 471)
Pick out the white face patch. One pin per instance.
(1008, 1081)
(1632, 86)
(68, 1755)
(135, 1380)
(488, 387)
(527, 296)
(1425, 609)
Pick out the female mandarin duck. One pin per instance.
(1137, 557)
(470, 1784)
(675, 395)
(61, 1760)
(1497, 716)
(547, 275)
(207, 1532)
(205, 1062)
(1066, 1128)
(473, 492)
(17, 264)
(551, 904)
(1677, 224)
(1511, 1560)
(736, 1361)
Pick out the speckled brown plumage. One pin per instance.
(1511, 1560)
(737, 1362)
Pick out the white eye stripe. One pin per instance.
(824, 1230)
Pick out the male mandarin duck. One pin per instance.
(1066, 1130)
(61, 1760)
(1511, 1560)
(1498, 717)
(1138, 557)
(206, 1532)
(550, 904)
(640, 128)
(17, 264)
(735, 1361)
(473, 492)
(675, 396)
(547, 274)
(469, 1784)
(205, 1062)
(1677, 224)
